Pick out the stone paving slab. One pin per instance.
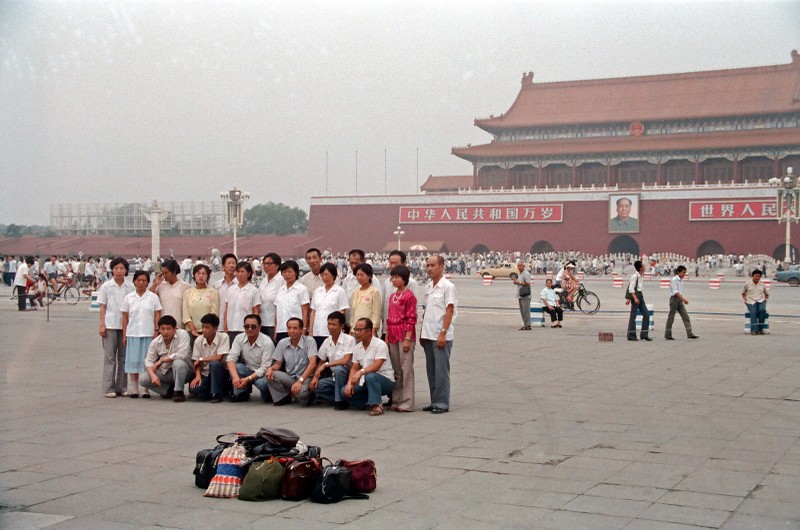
(548, 429)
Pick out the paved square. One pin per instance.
(548, 428)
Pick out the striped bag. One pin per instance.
(226, 482)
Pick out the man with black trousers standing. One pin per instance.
(636, 299)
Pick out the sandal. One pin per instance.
(377, 410)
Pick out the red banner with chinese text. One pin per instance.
(734, 210)
(496, 213)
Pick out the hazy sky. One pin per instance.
(178, 100)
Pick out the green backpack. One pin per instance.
(262, 482)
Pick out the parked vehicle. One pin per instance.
(790, 275)
(506, 270)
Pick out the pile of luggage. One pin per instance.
(273, 464)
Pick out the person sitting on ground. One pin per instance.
(551, 305)
(248, 360)
(297, 355)
(210, 349)
(371, 375)
(335, 356)
(168, 366)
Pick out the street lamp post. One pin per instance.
(234, 199)
(788, 207)
(399, 233)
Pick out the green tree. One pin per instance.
(272, 218)
(13, 230)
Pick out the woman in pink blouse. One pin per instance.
(401, 324)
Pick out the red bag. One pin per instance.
(363, 475)
(300, 479)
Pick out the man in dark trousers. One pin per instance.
(677, 304)
(636, 299)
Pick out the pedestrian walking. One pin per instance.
(677, 303)
(755, 295)
(635, 297)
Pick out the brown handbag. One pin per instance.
(363, 475)
(300, 479)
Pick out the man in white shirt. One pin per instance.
(311, 279)
(248, 360)
(371, 376)
(636, 300)
(335, 355)
(228, 279)
(168, 365)
(210, 349)
(186, 268)
(21, 279)
(436, 337)
(676, 304)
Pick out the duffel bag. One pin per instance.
(334, 485)
(300, 479)
(363, 475)
(262, 481)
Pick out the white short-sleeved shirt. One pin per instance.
(240, 303)
(19, 279)
(324, 303)
(289, 304)
(377, 349)
(437, 298)
(112, 295)
(141, 311)
(178, 350)
(268, 291)
(333, 351)
(222, 287)
(202, 349)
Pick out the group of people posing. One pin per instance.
(345, 341)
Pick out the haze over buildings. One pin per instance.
(176, 101)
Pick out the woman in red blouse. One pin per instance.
(401, 324)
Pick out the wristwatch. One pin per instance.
(301, 379)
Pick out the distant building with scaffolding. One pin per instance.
(128, 219)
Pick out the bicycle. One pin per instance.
(587, 301)
(65, 291)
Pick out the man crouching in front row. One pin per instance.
(168, 365)
(297, 354)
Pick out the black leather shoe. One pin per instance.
(648, 339)
(341, 405)
(216, 398)
(669, 338)
(429, 408)
(240, 398)
(693, 337)
(632, 338)
(437, 410)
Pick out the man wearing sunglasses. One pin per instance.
(250, 356)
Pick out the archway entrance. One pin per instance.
(480, 248)
(780, 252)
(541, 247)
(710, 247)
(623, 245)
